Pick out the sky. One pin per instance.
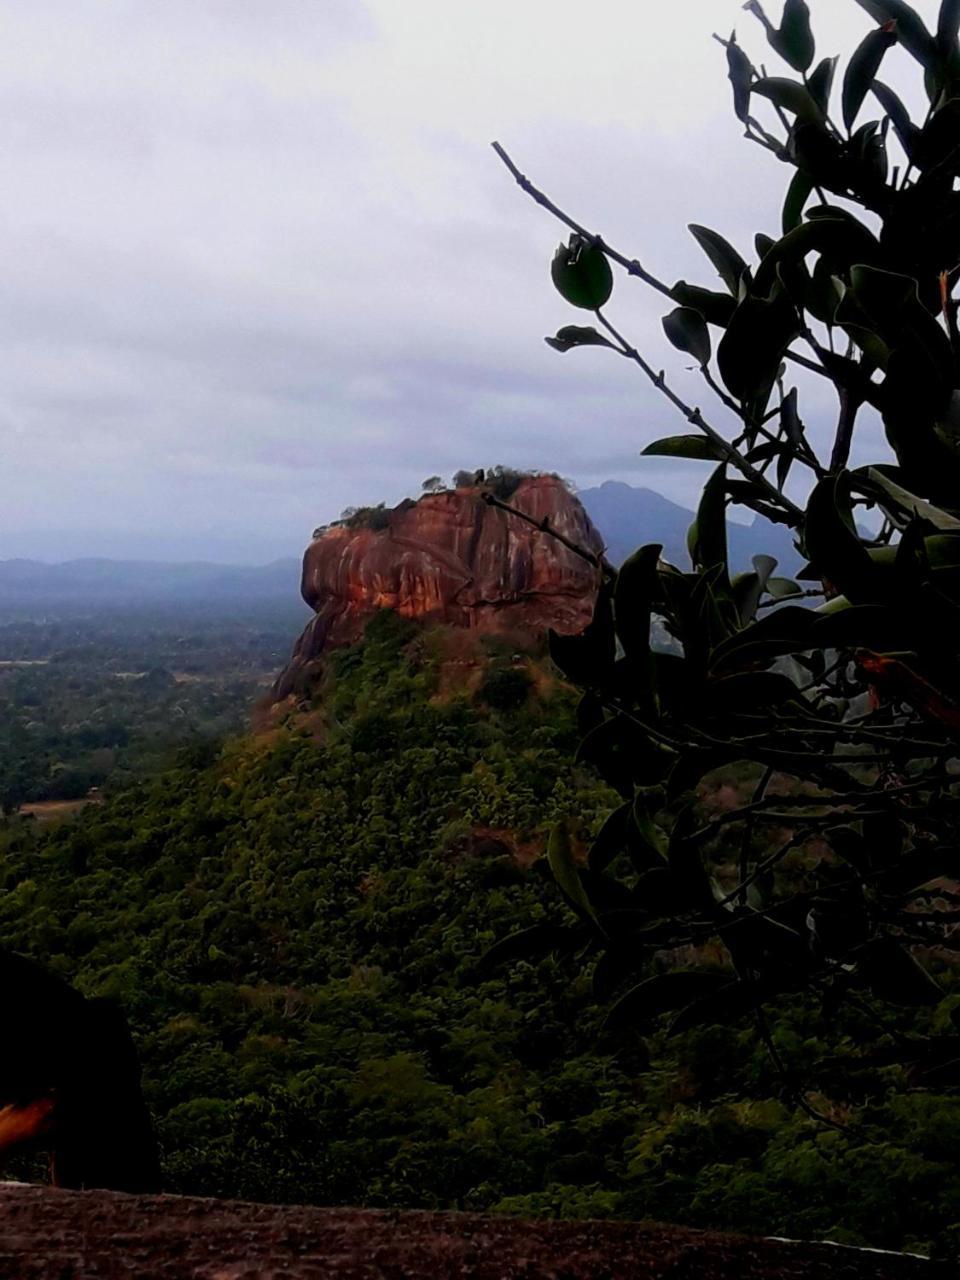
(259, 262)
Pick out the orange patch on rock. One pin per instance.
(20, 1124)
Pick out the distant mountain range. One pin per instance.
(34, 586)
(628, 518)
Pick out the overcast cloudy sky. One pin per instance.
(259, 261)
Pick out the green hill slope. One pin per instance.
(296, 930)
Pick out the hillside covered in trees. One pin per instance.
(298, 932)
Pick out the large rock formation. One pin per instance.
(452, 558)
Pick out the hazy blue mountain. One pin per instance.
(32, 586)
(628, 518)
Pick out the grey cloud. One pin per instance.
(260, 263)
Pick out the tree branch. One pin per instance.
(630, 265)
(849, 408)
(696, 418)
(599, 562)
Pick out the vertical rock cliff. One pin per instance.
(451, 558)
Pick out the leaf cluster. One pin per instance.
(848, 713)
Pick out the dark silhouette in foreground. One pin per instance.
(70, 1084)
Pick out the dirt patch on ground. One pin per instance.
(75, 1235)
(53, 810)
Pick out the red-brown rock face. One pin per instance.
(451, 558)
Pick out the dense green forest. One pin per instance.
(92, 701)
(296, 923)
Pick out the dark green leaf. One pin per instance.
(919, 870)
(711, 616)
(906, 130)
(633, 596)
(862, 70)
(790, 96)
(882, 628)
(692, 767)
(610, 971)
(740, 74)
(647, 845)
(686, 862)
(935, 146)
(820, 82)
(948, 24)
(605, 893)
(710, 544)
(658, 893)
(848, 843)
(794, 40)
(574, 335)
(729, 1003)
(842, 240)
(582, 274)
(566, 872)
(784, 463)
(533, 943)
(611, 839)
(783, 588)
(699, 447)
(893, 309)
(716, 308)
(767, 450)
(894, 975)
(747, 692)
(590, 713)
(730, 266)
(780, 632)
(818, 151)
(748, 588)
(688, 331)
(900, 501)
(790, 419)
(754, 344)
(665, 993)
(834, 547)
(798, 193)
(588, 658)
(625, 754)
(911, 32)
(823, 296)
(868, 150)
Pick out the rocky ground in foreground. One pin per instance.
(68, 1235)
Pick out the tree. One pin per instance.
(433, 484)
(845, 714)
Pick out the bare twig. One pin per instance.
(770, 861)
(799, 1097)
(599, 562)
(759, 792)
(696, 418)
(630, 265)
(849, 408)
(776, 808)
